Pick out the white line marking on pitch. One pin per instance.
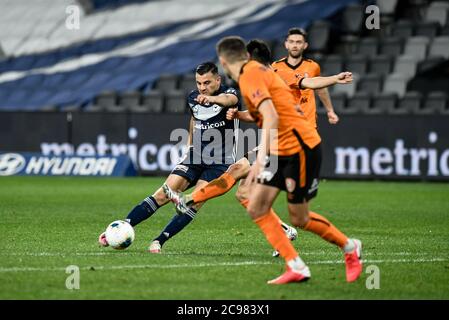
(224, 264)
(114, 253)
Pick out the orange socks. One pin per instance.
(215, 188)
(326, 230)
(271, 227)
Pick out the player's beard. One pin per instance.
(296, 55)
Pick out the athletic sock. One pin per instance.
(326, 230)
(142, 211)
(215, 188)
(177, 223)
(296, 264)
(271, 227)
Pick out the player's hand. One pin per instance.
(344, 77)
(232, 113)
(205, 100)
(332, 117)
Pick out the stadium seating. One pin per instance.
(370, 83)
(406, 104)
(436, 101)
(380, 64)
(153, 102)
(332, 64)
(417, 47)
(387, 7)
(318, 36)
(353, 19)
(382, 103)
(396, 83)
(187, 83)
(440, 47)
(368, 46)
(392, 46)
(360, 101)
(438, 11)
(406, 65)
(120, 59)
(357, 64)
(176, 102)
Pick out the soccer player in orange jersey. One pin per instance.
(295, 148)
(294, 67)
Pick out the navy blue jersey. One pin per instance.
(214, 138)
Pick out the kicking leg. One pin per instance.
(222, 184)
(177, 223)
(150, 204)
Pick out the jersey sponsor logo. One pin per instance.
(206, 126)
(11, 163)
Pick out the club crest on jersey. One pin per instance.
(256, 94)
(299, 75)
(290, 184)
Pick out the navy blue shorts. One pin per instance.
(195, 172)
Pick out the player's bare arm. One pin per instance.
(324, 82)
(270, 123)
(325, 98)
(224, 99)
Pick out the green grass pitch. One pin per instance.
(49, 223)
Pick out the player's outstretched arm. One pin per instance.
(324, 82)
(224, 99)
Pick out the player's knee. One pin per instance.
(160, 197)
(256, 210)
(299, 221)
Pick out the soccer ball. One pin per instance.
(119, 234)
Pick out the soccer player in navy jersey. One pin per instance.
(212, 148)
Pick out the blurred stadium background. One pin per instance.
(130, 64)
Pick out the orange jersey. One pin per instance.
(258, 83)
(291, 74)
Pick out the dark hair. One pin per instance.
(259, 51)
(207, 67)
(233, 48)
(299, 31)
